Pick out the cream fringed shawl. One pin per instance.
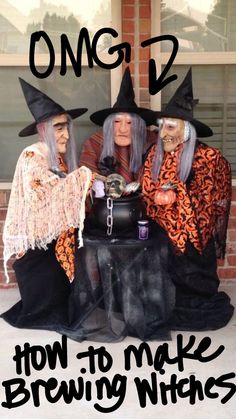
(42, 205)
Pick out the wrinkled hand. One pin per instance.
(108, 165)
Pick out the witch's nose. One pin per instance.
(163, 131)
(66, 133)
(123, 126)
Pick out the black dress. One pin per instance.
(199, 305)
(44, 290)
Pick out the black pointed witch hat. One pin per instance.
(124, 103)
(42, 108)
(181, 106)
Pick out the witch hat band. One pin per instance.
(124, 103)
(42, 107)
(181, 106)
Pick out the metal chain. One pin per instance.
(110, 216)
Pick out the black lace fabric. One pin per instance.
(122, 288)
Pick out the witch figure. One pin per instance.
(47, 204)
(187, 190)
(122, 144)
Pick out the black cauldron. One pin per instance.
(126, 212)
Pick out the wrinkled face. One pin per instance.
(122, 129)
(61, 130)
(114, 185)
(171, 132)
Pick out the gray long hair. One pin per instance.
(138, 140)
(186, 158)
(46, 134)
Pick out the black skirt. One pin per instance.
(199, 305)
(44, 290)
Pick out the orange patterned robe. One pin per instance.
(201, 209)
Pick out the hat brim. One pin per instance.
(99, 117)
(202, 129)
(32, 128)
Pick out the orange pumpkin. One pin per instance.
(164, 196)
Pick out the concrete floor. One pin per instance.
(130, 408)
